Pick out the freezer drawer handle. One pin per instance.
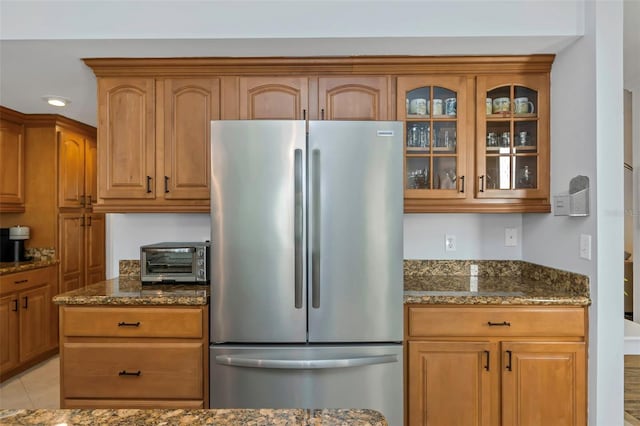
(298, 220)
(305, 364)
(126, 373)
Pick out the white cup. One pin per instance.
(437, 107)
(418, 106)
(501, 105)
(489, 106)
(522, 106)
(451, 106)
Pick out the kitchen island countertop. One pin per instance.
(226, 417)
(130, 291)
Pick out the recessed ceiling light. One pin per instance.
(58, 101)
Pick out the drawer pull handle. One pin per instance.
(509, 361)
(20, 281)
(129, 324)
(126, 373)
(499, 324)
(486, 366)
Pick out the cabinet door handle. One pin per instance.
(488, 354)
(304, 114)
(21, 281)
(127, 373)
(89, 220)
(15, 305)
(461, 183)
(508, 360)
(322, 114)
(481, 184)
(82, 221)
(89, 201)
(148, 184)
(129, 324)
(26, 302)
(499, 324)
(83, 201)
(166, 184)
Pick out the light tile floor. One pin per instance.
(38, 387)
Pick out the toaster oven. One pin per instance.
(175, 262)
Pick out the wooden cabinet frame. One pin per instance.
(527, 372)
(319, 88)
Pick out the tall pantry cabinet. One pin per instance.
(61, 189)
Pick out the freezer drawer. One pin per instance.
(309, 376)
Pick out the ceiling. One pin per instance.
(38, 58)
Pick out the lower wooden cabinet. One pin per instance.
(134, 357)
(490, 372)
(28, 322)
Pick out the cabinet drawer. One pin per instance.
(132, 322)
(495, 321)
(133, 370)
(22, 280)
(132, 403)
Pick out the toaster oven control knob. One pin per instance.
(200, 262)
(200, 253)
(201, 273)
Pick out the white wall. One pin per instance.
(280, 19)
(477, 236)
(127, 232)
(587, 138)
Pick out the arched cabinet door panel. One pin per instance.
(353, 98)
(126, 135)
(274, 98)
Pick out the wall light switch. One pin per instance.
(585, 246)
(510, 237)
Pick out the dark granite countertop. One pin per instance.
(130, 291)
(497, 283)
(13, 267)
(290, 417)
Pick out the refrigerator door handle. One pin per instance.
(315, 247)
(304, 364)
(298, 223)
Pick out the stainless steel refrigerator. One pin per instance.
(306, 265)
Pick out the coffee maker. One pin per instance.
(12, 243)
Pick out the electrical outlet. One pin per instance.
(450, 242)
(510, 237)
(473, 270)
(585, 246)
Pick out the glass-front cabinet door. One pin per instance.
(434, 111)
(512, 144)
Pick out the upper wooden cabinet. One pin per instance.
(189, 106)
(512, 143)
(126, 138)
(274, 98)
(153, 142)
(12, 170)
(314, 98)
(435, 114)
(486, 151)
(77, 177)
